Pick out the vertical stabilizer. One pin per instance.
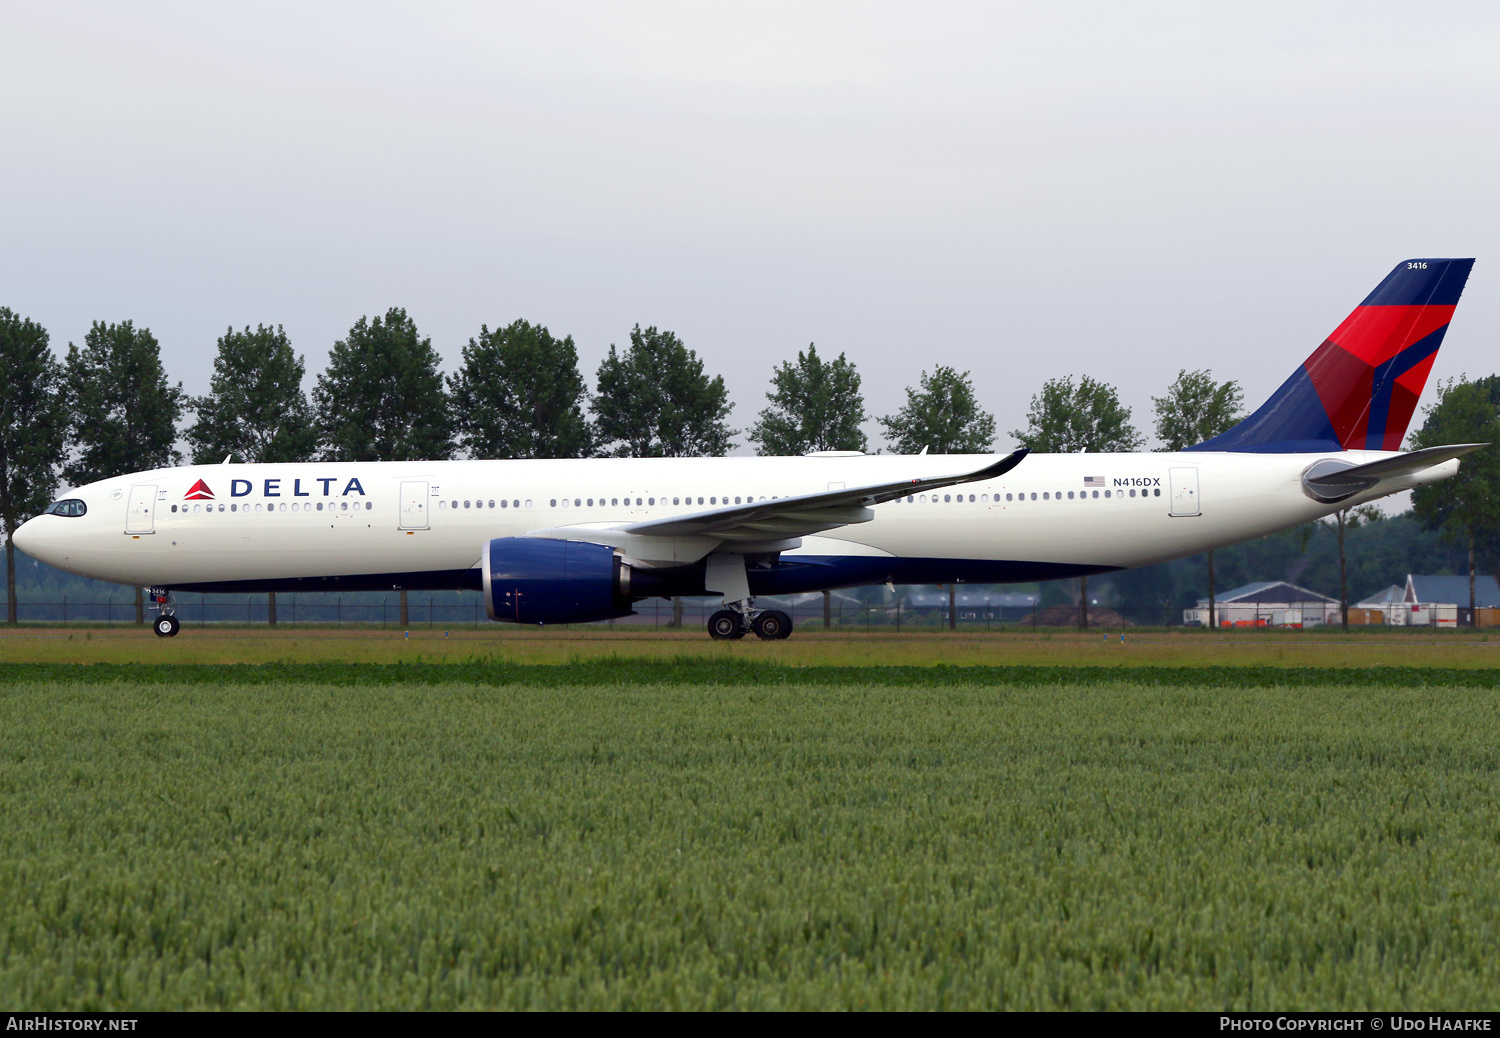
(1359, 389)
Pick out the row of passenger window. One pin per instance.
(1046, 495)
(480, 504)
(615, 502)
(589, 502)
(343, 506)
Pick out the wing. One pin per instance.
(805, 514)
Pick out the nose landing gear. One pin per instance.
(166, 625)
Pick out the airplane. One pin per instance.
(577, 541)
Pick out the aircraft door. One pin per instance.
(414, 505)
(141, 516)
(1184, 483)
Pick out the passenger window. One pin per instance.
(1070, 495)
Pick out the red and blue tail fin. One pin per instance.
(1358, 390)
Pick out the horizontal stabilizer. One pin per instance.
(1332, 480)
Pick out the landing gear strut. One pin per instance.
(166, 625)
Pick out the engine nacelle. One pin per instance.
(535, 580)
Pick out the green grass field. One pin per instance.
(733, 833)
(808, 647)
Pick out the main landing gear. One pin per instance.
(166, 625)
(725, 573)
(768, 624)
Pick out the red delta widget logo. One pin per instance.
(199, 492)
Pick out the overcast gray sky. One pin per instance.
(1018, 190)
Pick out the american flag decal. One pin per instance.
(1093, 481)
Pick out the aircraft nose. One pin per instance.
(23, 537)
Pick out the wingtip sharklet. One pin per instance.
(999, 467)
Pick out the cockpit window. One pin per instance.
(72, 508)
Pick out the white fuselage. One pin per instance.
(332, 520)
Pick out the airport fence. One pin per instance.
(447, 611)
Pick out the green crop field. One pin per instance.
(732, 833)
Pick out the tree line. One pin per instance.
(107, 407)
